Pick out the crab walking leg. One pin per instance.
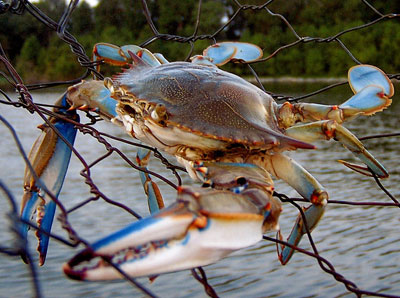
(154, 197)
(215, 55)
(312, 214)
(367, 102)
(221, 53)
(327, 129)
(285, 168)
(50, 157)
(119, 56)
(361, 76)
(372, 93)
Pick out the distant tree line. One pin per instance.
(41, 56)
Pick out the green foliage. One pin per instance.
(59, 62)
(30, 49)
(82, 19)
(41, 56)
(27, 59)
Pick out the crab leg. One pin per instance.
(217, 54)
(119, 56)
(327, 129)
(292, 173)
(373, 91)
(203, 226)
(137, 241)
(361, 76)
(221, 53)
(49, 157)
(93, 96)
(246, 179)
(151, 189)
(367, 102)
(309, 188)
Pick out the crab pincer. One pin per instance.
(201, 227)
(49, 157)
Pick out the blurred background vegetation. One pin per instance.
(41, 56)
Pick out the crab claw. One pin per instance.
(93, 96)
(201, 227)
(223, 52)
(49, 157)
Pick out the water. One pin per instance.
(362, 243)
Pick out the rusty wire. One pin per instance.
(89, 67)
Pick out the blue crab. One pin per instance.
(201, 114)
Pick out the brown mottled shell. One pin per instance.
(207, 101)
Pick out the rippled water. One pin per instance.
(362, 243)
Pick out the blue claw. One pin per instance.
(27, 210)
(93, 96)
(190, 233)
(201, 227)
(49, 157)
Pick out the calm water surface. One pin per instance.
(362, 243)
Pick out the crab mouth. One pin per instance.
(171, 137)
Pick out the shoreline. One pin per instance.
(296, 80)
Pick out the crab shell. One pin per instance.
(197, 111)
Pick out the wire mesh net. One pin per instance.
(71, 234)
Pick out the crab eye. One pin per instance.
(241, 185)
(208, 183)
(241, 181)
